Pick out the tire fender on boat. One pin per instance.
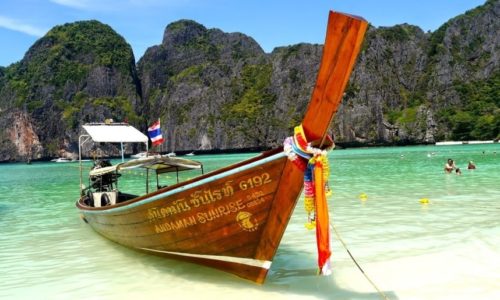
(105, 200)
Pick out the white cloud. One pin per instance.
(72, 3)
(21, 27)
(112, 5)
(158, 2)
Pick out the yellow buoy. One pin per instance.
(363, 196)
(424, 200)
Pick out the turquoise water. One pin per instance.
(447, 249)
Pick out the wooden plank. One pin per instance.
(136, 228)
(343, 41)
(342, 44)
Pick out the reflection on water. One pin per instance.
(446, 249)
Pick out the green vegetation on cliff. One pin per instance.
(398, 33)
(250, 112)
(479, 118)
(64, 57)
(89, 43)
(78, 72)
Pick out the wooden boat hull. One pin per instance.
(233, 219)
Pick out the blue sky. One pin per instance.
(271, 23)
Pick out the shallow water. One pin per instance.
(447, 249)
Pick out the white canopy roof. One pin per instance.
(115, 133)
(160, 163)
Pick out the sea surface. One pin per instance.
(448, 248)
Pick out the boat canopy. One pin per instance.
(161, 164)
(115, 133)
(109, 132)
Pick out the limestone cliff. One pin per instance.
(408, 86)
(217, 90)
(78, 72)
(210, 88)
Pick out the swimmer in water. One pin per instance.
(449, 166)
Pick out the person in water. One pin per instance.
(449, 166)
(471, 165)
(458, 172)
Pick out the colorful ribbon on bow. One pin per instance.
(314, 163)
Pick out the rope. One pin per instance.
(381, 294)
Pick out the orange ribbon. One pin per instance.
(322, 220)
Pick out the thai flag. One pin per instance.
(154, 133)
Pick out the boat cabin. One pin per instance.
(103, 188)
(103, 182)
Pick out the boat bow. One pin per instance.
(233, 218)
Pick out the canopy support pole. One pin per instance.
(121, 145)
(80, 144)
(147, 181)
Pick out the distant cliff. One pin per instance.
(408, 86)
(416, 87)
(76, 73)
(216, 90)
(211, 89)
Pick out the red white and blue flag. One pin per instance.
(154, 133)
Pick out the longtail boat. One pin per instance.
(233, 218)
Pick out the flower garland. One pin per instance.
(314, 163)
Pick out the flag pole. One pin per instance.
(147, 142)
(161, 145)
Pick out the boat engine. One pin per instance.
(104, 186)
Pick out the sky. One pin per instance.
(272, 23)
